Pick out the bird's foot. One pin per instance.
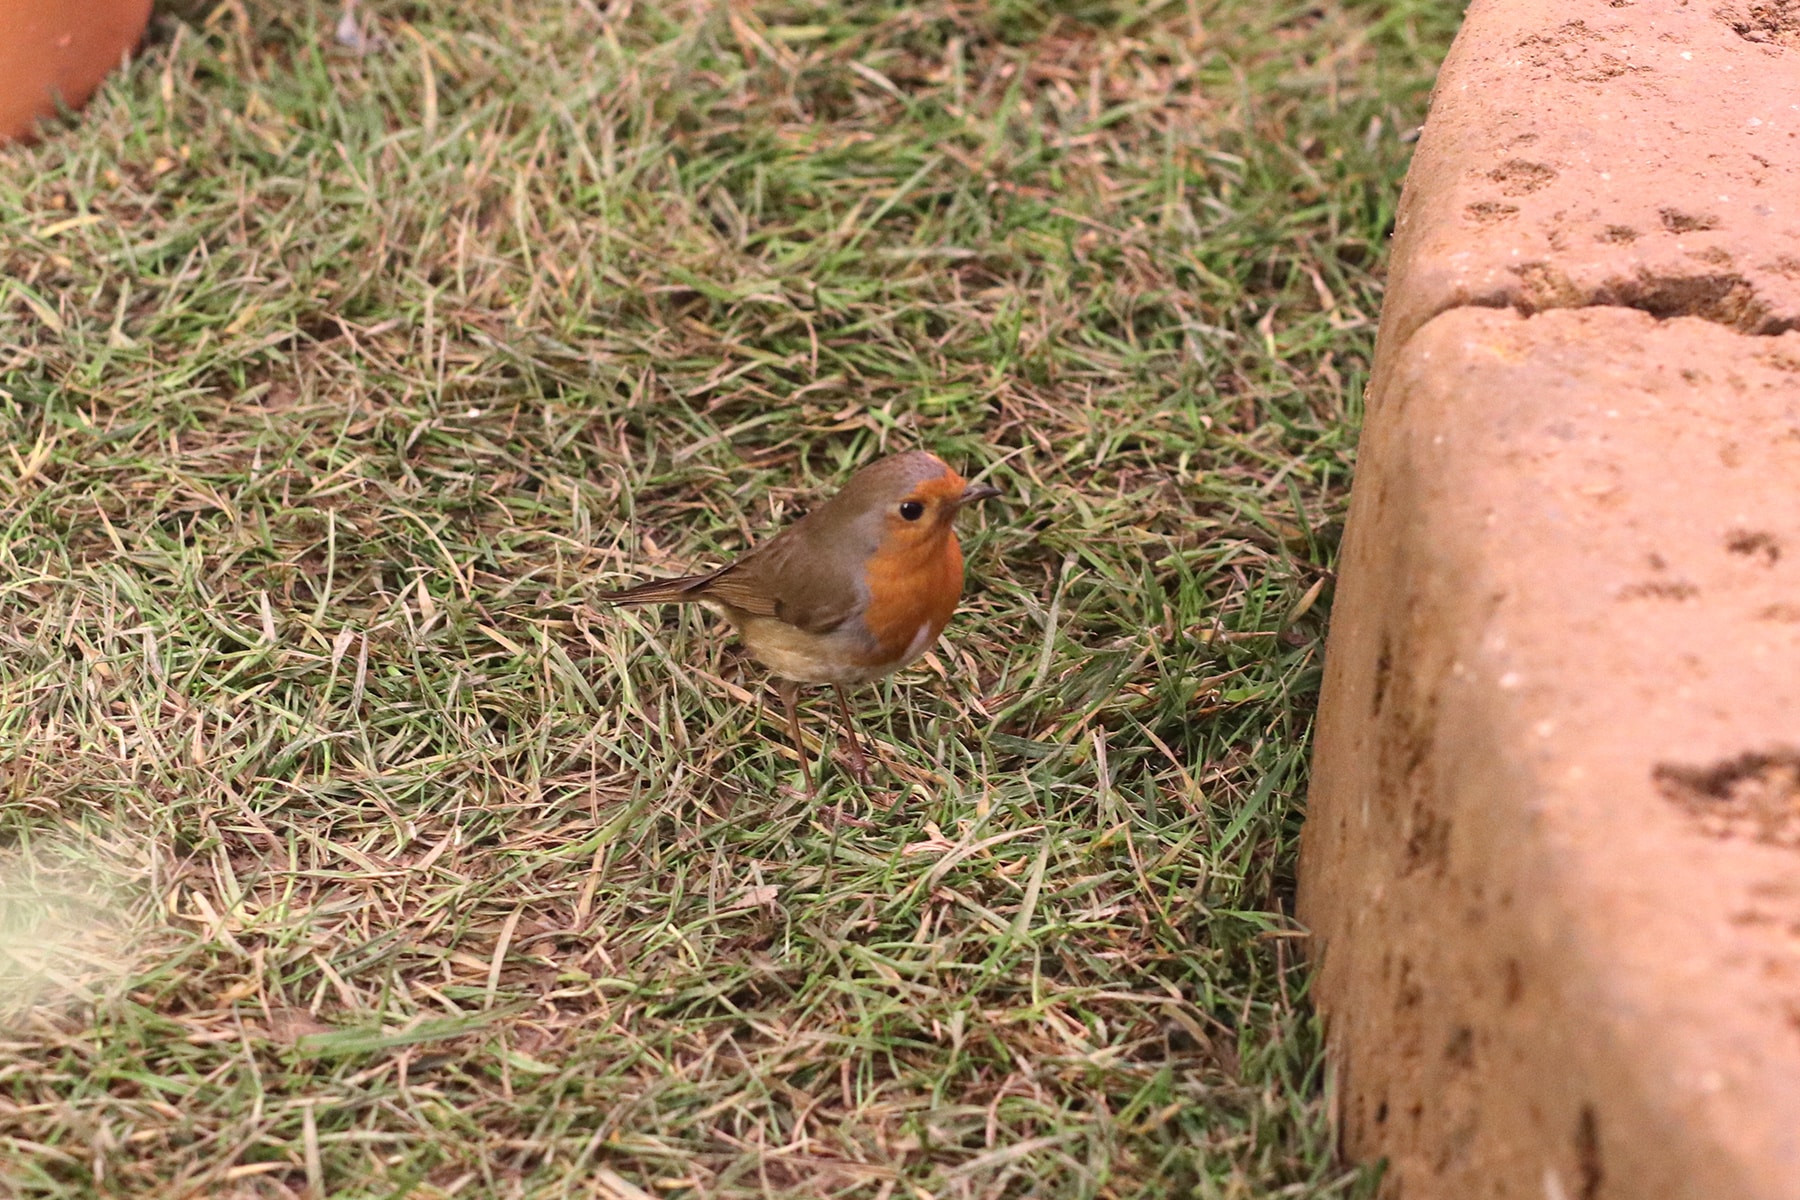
(857, 763)
(836, 815)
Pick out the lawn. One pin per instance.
(350, 848)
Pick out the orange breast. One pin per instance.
(912, 586)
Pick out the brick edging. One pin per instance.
(1551, 856)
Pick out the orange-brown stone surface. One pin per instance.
(1554, 850)
(58, 51)
(1642, 153)
(1552, 859)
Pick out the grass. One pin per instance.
(349, 849)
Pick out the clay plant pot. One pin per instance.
(57, 52)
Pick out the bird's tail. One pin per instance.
(661, 591)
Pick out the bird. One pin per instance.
(853, 591)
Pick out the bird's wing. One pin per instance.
(788, 579)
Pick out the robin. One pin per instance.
(856, 589)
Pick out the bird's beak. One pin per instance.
(975, 492)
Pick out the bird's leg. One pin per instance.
(859, 762)
(349, 31)
(789, 692)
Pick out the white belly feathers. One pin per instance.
(821, 657)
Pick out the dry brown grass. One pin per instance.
(348, 850)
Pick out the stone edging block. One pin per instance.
(1640, 153)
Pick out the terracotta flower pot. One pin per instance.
(58, 51)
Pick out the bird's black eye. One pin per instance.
(912, 510)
